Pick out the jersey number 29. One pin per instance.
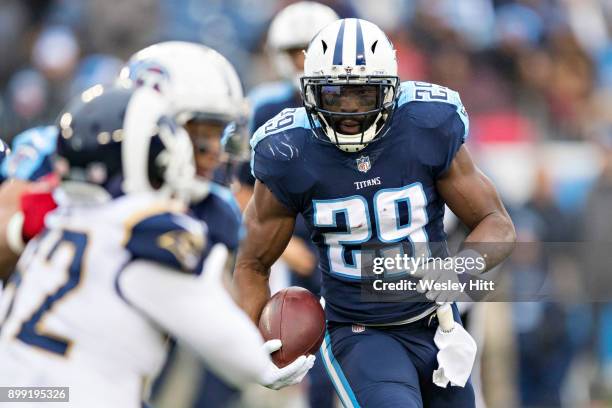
(400, 214)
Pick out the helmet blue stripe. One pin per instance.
(338, 48)
(360, 51)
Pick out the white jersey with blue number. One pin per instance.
(67, 323)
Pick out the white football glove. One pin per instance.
(276, 378)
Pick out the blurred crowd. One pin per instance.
(534, 75)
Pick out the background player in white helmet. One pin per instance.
(290, 32)
(115, 271)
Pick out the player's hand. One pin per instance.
(277, 378)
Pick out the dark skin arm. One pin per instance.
(269, 226)
(474, 199)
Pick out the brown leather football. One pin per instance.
(295, 316)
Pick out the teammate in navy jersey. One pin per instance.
(369, 163)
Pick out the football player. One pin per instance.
(290, 32)
(206, 96)
(115, 269)
(370, 162)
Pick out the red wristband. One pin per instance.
(35, 207)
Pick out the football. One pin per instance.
(295, 316)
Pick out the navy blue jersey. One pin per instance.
(268, 100)
(221, 214)
(384, 195)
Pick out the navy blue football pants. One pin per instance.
(389, 366)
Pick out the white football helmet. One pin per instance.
(200, 83)
(346, 54)
(293, 28)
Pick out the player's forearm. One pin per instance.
(493, 237)
(269, 228)
(251, 286)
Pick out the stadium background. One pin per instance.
(534, 75)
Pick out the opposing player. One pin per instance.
(369, 163)
(114, 271)
(206, 98)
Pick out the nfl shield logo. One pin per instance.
(363, 164)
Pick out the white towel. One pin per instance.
(455, 358)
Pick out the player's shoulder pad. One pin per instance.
(31, 154)
(430, 105)
(169, 237)
(280, 138)
(272, 92)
